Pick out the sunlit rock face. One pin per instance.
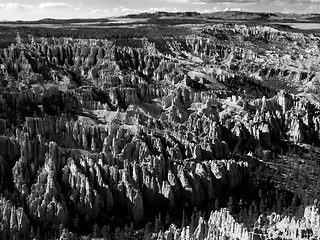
(221, 224)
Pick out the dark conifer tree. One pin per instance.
(183, 221)
(193, 223)
(104, 232)
(231, 205)
(158, 223)
(147, 231)
(76, 223)
(216, 204)
(96, 230)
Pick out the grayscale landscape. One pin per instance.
(160, 125)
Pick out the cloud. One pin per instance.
(232, 9)
(199, 3)
(234, 1)
(259, 2)
(176, 1)
(24, 7)
(121, 10)
(228, 2)
(15, 6)
(54, 5)
(163, 9)
(97, 11)
(208, 1)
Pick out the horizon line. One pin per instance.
(153, 12)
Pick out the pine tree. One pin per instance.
(193, 223)
(279, 205)
(262, 206)
(241, 204)
(38, 233)
(61, 228)
(6, 232)
(117, 233)
(148, 231)
(76, 223)
(183, 222)
(245, 216)
(170, 236)
(104, 232)
(250, 213)
(216, 204)
(14, 233)
(96, 230)
(158, 223)
(1, 234)
(167, 220)
(230, 205)
(131, 228)
(127, 232)
(294, 204)
(240, 216)
(255, 211)
(55, 230)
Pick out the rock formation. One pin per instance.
(104, 133)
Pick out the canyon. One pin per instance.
(213, 134)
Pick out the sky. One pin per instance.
(39, 9)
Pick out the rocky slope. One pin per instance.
(93, 133)
(221, 225)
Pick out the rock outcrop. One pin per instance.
(94, 132)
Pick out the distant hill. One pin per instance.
(193, 16)
(163, 14)
(232, 15)
(262, 16)
(60, 21)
